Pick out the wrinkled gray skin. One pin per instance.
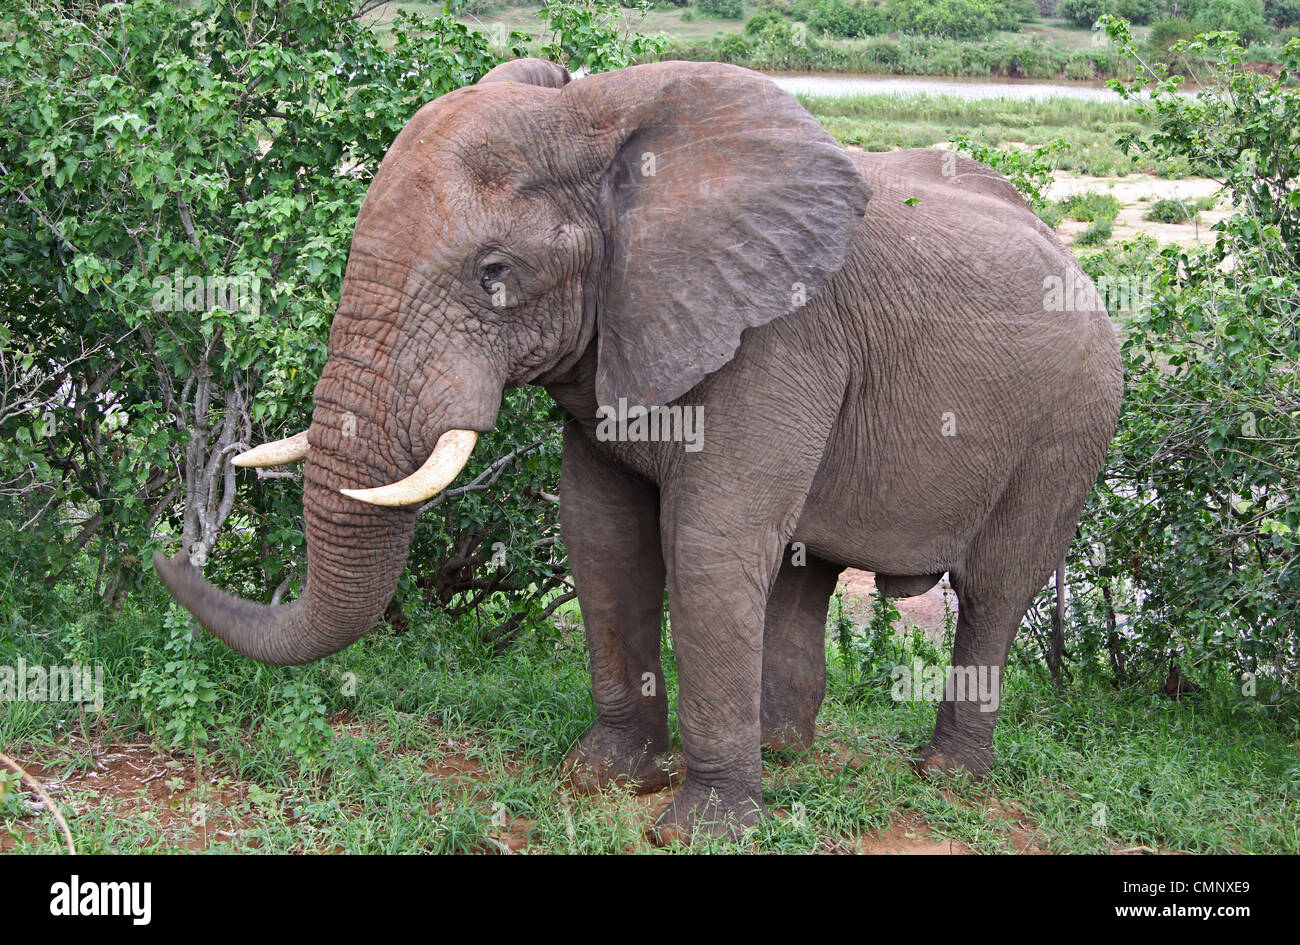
(681, 280)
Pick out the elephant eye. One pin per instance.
(492, 274)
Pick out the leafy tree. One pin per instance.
(847, 20)
(955, 19)
(180, 183)
(594, 36)
(1188, 550)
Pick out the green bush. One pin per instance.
(1170, 211)
(761, 19)
(1244, 17)
(1282, 13)
(732, 49)
(1090, 207)
(1166, 32)
(1052, 215)
(1086, 12)
(721, 9)
(954, 19)
(1030, 172)
(1097, 233)
(594, 36)
(1187, 550)
(847, 20)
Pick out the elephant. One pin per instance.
(886, 374)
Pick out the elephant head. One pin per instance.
(656, 212)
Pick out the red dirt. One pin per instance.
(909, 835)
(130, 781)
(925, 612)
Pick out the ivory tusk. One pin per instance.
(448, 458)
(288, 450)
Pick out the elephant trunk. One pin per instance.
(355, 556)
(382, 409)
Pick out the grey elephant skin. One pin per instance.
(898, 368)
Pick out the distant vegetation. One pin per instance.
(1014, 38)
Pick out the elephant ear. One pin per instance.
(731, 207)
(541, 72)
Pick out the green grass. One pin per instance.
(884, 122)
(1220, 774)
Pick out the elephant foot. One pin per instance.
(788, 736)
(608, 756)
(933, 761)
(698, 812)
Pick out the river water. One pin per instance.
(1024, 90)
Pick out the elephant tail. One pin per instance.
(1058, 625)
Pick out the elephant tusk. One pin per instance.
(289, 450)
(446, 461)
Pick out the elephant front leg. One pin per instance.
(794, 650)
(610, 524)
(717, 597)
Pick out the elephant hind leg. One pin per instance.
(794, 651)
(1007, 564)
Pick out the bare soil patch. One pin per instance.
(1137, 193)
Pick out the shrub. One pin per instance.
(732, 49)
(721, 9)
(1030, 172)
(955, 19)
(1187, 550)
(1166, 32)
(1169, 211)
(847, 20)
(762, 19)
(1097, 233)
(1052, 215)
(1086, 12)
(1282, 13)
(1244, 17)
(1080, 69)
(593, 35)
(1090, 207)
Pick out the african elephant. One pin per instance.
(888, 375)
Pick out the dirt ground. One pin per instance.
(929, 613)
(1130, 191)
